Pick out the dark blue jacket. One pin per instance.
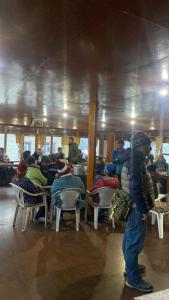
(135, 161)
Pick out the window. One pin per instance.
(47, 145)
(126, 144)
(11, 148)
(2, 140)
(84, 146)
(29, 143)
(57, 142)
(165, 150)
(153, 146)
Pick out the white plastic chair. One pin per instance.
(105, 195)
(68, 198)
(28, 208)
(159, 215)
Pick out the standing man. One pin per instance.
(73, 155)
(116, 156)
(133, 243)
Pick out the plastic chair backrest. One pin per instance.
(68, 197)
(19, 193)
(105, 195)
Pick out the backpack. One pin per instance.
(121, 205)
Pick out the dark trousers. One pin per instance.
(133, 244)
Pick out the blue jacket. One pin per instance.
(135, 162)
(116, 160)
(67, 181)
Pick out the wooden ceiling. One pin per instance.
(55, 56)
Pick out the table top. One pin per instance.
(6, 165)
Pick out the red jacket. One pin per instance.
(105, 181)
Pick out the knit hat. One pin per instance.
(21, 169)
(139, 139)
(30, 161)
(62, 167)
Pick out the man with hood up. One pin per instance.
(133, 182)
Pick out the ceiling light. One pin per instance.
(65, 115)
(132, 122)
(74, 127)
(152, 127)
(133, 115)
(163, 92)
(164, 75)
(65, 106)
(103, 118)
(44, 119)
(103, 125)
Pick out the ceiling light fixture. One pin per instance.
(65, 106)
(132, 122)
(103, 125)
(163, 92)
(65, 115)
(152, 127)
(44, 119)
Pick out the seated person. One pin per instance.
(45, 169)
(161, 167)
(65, 179)
(37, 155)
(60, 154)
(26, 155)
(22, 181)
(4, 159)
(34, 173)
(102, 181)
(100, 165)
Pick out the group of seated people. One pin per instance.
(32, 175)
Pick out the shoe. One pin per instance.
(39, 220)
(141, 269)
(142, 286)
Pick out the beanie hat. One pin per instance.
(139, 139)
(21, 169)
(62, 167)
(30, 161)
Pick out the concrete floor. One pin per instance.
(43, 264)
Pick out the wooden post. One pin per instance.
(5, 139)
(91, 143)
(101, 144)
(110, 145)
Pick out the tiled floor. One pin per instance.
(70, 265)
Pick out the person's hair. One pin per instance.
(45, 159)
(71, 138)
(26, 154)
(59, 148)
(120, 142)
(20, 175)
(2, 148)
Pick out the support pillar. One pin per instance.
(110, 145)
(91, 143)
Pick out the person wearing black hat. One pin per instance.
(116, 156)
(133, 181)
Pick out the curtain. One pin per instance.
(159, 143)
(77, 140)
(20, 142)
(41, 138)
